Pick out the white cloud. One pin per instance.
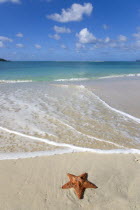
(55, 36)
(19, 45)
(1, 44)
(79, 46)
(63, 46)
(107, 40)
(138, 28)
(137, 35)
(138, 43)
(113, 44)
(122, 38)
(105, 26)
(38, 46)
(19, 35)
(74, 13)
(6, 39)
(86, 37)
(12, 1)
(61, 29)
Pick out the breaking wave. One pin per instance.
(65, 116)
(14, 81)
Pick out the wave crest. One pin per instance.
(14, 81)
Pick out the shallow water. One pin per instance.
(43, 116)
(65, 71)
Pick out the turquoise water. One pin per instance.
(39, 118)
(49, 71)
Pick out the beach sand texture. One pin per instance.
(122, 94)
(35, 183)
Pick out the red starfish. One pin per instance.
(79, 183)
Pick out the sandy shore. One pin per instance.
(35, 183)
(120, 93)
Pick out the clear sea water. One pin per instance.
(47, 117)
(49, 71)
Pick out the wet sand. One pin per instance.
(35, 183)
(120, 93)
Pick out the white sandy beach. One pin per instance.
(120, 93)
(69, 104)
(35, 183)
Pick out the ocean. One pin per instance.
(44, 111)
(63, 71)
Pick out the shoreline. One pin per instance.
(120, 93)
(103, 89)
(70, 148)
(77, 79)
(36, 183)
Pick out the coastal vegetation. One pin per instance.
(1, 59)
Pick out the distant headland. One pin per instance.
(1, 59)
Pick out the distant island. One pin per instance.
(1, 59)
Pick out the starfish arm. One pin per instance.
(79, 192)
(71, 176)
(84, 176)
(67, 185)
(88, 184)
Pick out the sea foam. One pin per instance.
(101, 77)
(14, 81)
(70, 147)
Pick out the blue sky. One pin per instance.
(70, 30)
